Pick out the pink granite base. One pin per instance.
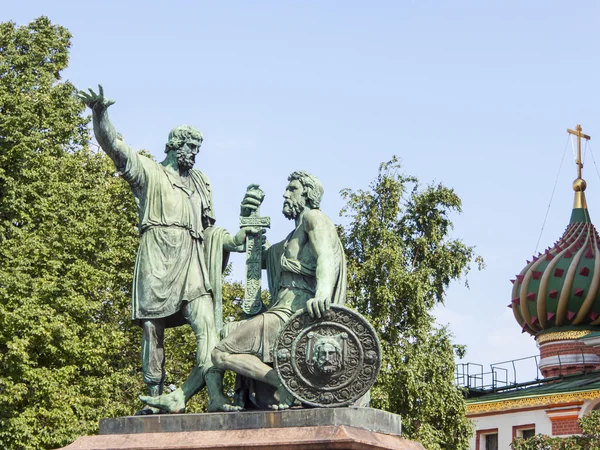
(334, 437)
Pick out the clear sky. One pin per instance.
(474, 94)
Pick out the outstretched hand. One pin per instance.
(96, 102)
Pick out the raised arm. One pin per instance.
(104, 130)
(321, 238)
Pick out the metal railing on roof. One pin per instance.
(502, 375)
(505, 375)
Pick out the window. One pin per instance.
(486, 439)
(491, 441)
(524, 431)
(526, 434)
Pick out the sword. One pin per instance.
(252, 303)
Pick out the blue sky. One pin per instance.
(475, 95)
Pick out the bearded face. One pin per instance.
(327, 358)
(292, 208)
(186, 154)
(295, 201)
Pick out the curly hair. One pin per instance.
(180, 135)
(313, 189)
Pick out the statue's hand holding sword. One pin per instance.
(250, 218)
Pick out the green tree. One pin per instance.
(400, 263)
(68, 354)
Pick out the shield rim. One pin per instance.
(299, 313)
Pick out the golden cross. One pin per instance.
(579, 135)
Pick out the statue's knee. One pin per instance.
(218, 358)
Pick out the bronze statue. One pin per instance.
(178, 268)
(307, 270)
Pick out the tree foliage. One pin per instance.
(67, 243)
(589, 440)
(401, 260)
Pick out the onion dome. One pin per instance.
(560, 287)
(556, 297)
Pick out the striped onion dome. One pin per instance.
(560, 287)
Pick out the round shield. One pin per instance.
(327, 362)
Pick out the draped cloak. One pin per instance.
(180, 257)
(289, 294)
(277, 263)
(287, 299)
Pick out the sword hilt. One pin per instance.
(252, 303)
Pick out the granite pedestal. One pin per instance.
(297, 429)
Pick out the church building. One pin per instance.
(556, 299)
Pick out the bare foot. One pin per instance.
(222, 403)
(286, 399)
(173, 403)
